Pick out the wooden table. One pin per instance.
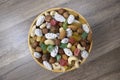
(16, 62)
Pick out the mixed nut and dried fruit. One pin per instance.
(59, 39)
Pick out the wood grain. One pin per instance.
(16, 17)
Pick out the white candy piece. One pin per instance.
(59, 17)
(37, 55)
(48, 25)
(84, 54)
(68, 52)
(64, 40)
(40, 20)
(33, 31)
(70, 19)
(50, 35)
(58, 34)
(85, 28)
(69, 32)
(47, 65)
(54, 52)
(38, 32)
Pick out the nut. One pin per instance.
(45, 57)
(32, 34)
(54, 29)
(48, 18)
(61, 11)
(42, 25)
(35, 44)
(46, 13)
(60, 24)
(83, 43)
(52, 13)
(49, 42)
(66, 14)
(73, 27)
(38, 49)
(52, 60)
(79, 30)
(56, 66)
(80, 47)
(57, 42)
(73, 58)
(69, 45)
(60, 51)
(42, 39)
(38, 39)
(65, 57)
(62, 33)
(44, 31)
(89, 37)
(87, 47)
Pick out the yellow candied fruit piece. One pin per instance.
(73, 48)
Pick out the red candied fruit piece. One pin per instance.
(71, 40)
(53, 22)
(77, 52)
(63, 62)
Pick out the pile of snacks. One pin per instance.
(60, 40)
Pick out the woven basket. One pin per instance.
(82, 20)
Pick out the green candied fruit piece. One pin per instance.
(63, 45)
(43, 46)
(84, 35)
(50, 48)
(58, 57)
(65, 25)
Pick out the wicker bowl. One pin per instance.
(82, 20)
